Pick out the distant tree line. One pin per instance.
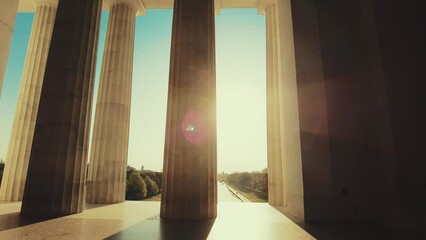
(257, 181)
(142, 183)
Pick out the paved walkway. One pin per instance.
(234, 192)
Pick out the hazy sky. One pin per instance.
(240, 76)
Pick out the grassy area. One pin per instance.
(153, 198)
(251, 195)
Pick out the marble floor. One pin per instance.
(140, 220)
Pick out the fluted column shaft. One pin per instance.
(57, 166)
(284, 151)
(21, 138)
(8, 10)
(108, 156)
(189, 173)
(275, 118)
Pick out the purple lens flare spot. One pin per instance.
(194, 128)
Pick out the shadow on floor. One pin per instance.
(352, 230)
(356, 231)
(156, 228)
(14, 220)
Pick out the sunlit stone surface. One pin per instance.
(140, 220)
(15, 172)
(284, 156)
(275, 105)
(189, 179)
(8, 10)
(108, 158)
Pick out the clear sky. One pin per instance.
(240, 76)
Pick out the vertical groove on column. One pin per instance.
(108, 158)
(55, 179)
(189, 172)
(12, 187)
(212, 150)
(274, 109)
(80, 167)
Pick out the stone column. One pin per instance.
(274, 88)
(15, 172)
(57, 166)
(108, 155)
(8, 10)
(313, 114)
(189, 173)
(284, 152)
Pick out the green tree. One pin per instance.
(129, 171)
(155, 176)
(255, 179)
(232, 178)
(158, 180)
(136, 187)
(151, 186)
(263, 183)
(244, 179)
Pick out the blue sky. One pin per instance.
(240, 76)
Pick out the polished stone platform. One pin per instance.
(140, 220)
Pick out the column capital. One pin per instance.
(262, 5)
(138, 5)
(53, 3)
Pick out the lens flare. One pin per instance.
(194, 128)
